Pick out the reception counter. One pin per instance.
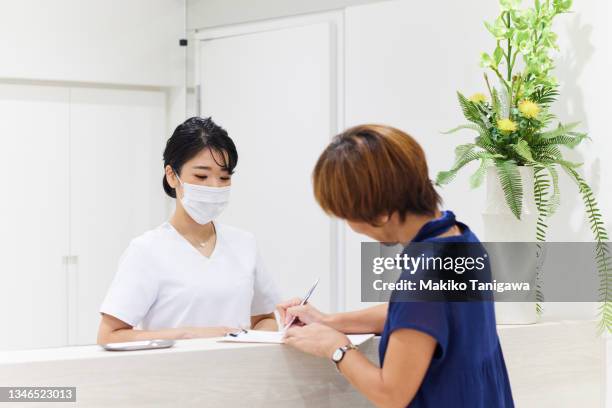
(550, 365)
(193, 373)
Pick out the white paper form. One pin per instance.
(276, 337)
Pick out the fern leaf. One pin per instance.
(504, 110)
(571, 140)
(487, 144)
(544, 95)
(567, 163)
(546, 153)
(541, 185)
(561, 130)
(602, 251)
(478, 176)
(512, 185)
(464, 155)
(462, 150)
(495, 102)
(470, 110)
(445, 177)
(523, 150)
(555, 197)
(467, 156)
(469, 126)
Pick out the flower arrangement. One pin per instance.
(513, 124)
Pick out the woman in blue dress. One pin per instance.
(432, 353)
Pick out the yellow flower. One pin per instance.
(507, 125)
(529, 109)
(478, 98)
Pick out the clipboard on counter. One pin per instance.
(276, 337)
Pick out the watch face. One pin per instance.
(337, 356)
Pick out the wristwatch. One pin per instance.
(338, 355)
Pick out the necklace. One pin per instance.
(203, 244)
(200, 245)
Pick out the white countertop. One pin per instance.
(94, 351)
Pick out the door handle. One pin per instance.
(72, 298)
(70, 260)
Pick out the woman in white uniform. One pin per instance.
(191, 276)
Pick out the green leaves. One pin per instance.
(512, 185)
(602, 250)
(526, 33)
(541, 185)
(486, 61)
(544, 95)
(495, 100)
(498, 54)
(509, 4)
(562, 6)
(571, 140)
(464, 154)
(555, 198)
(470, 110)
(523, 150)
(470, 126)
(497, 29)
(561, 130)
(522, 40)
(478, 176)
(547, 154)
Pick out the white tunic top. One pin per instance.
(164, 282)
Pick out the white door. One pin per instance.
(33, 215)
(274, 92)
(116, 189)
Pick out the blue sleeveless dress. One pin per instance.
(468, 368)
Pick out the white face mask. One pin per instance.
(204, 203)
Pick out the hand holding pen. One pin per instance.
(298, 311)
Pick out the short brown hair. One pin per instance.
(373, 170)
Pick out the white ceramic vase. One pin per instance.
(500, 225)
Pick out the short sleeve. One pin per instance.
(265, 294)
(431, 318)
(133, 289)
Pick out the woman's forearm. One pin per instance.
(368, 380)
(128, 334)
(122, 335)
(408, 356)
(369, 320)
(266, 324)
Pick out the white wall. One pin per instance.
(113, 41)
(106, 43)
(403, 66)
(210, 13)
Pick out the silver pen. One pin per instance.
(308, 295)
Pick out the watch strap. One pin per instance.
(344, 350)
